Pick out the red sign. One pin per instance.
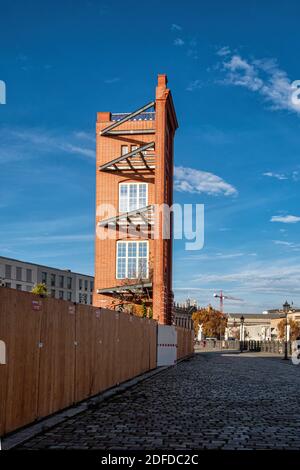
(36, 305)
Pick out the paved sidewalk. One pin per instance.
(213, 401)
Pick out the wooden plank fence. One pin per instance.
(185, 342)
(59, 353)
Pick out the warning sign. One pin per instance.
(36, 305)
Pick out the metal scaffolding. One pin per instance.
(110, 129)
(142, 158)
(142, 216)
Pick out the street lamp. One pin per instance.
(242, 319)
(286, 309)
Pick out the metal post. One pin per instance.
(242, 334)
(286, 308)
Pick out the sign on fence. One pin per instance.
(2, 352)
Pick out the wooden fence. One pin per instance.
(185, 342)
(58, 353)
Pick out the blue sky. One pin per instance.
(229, 64)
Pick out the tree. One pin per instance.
(150, 312)
(213, 321)
(294, 329)
(40, 289)
(144, 310)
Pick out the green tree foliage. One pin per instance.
(150, 312)
(40, 289)
(144, 310)
(213, 321)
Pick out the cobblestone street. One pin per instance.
(214, 400)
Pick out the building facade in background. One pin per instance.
(61, 284)
(134, 174)
(256, 326)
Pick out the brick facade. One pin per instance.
(161, 130)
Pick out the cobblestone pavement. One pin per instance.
(214, 400)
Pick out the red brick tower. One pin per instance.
(134, 174)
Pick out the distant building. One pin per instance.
(257, 326)
(62, 284)
(182, 313)
(294, 312)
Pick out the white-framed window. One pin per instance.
(132, 196)
(124, 149)
(132, 259)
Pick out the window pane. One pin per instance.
(131, 268)
(28, 275)
(8, 271)
(121, 249)
(142, 195)
(121, 268)
(142, 267)
(123, 203)
(133, 197)
(19, 274)
(53, 279)
(124, 149)
(132, 249)
(132, 260)
(143, 249)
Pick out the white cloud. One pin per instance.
(112, 80)
(17, 144)
(262, 76)
(294, 175)
(202, 182)
(44, 240)
(266, 277)
(178, 42)
(278, 176)
(194, 85)
(285, 219)
(219, 256)
(261, 284)
(176, 27)
(223, 51)
(290, 245)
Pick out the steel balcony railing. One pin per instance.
(146, 116)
